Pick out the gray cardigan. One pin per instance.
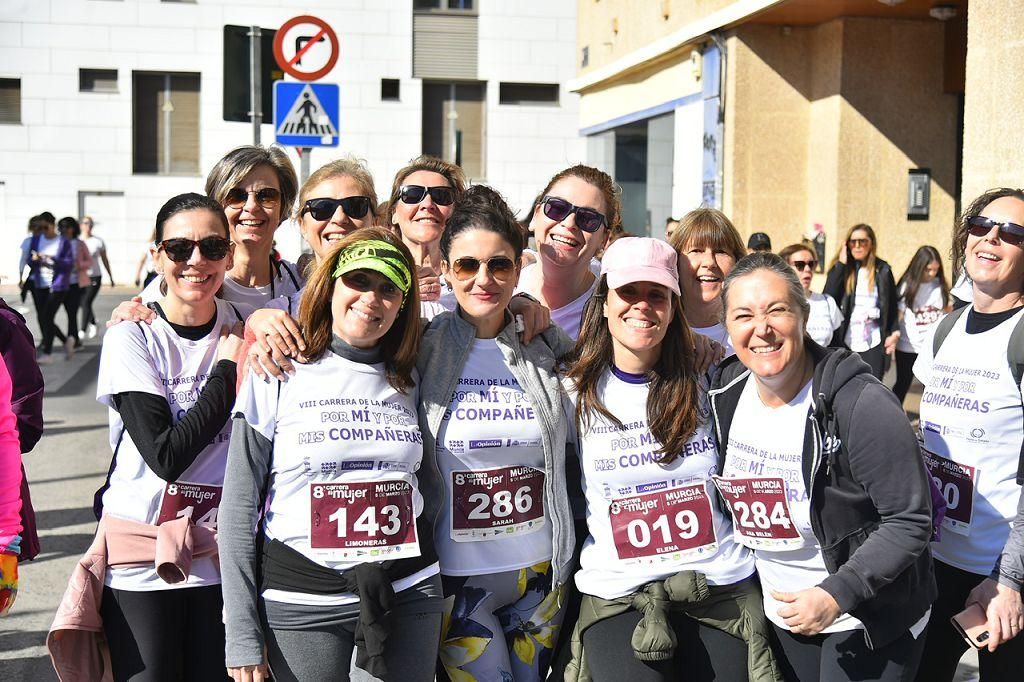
(443, 353)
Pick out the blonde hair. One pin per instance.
(346, 166)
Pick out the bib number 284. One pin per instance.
(760, 512)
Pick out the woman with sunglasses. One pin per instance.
(491, 413)
(667, 592)
(571, 223)
(422, 199)
(972, 423)
(923, 299)
(170, 387)
(825, 316)
(256, 187)
(709, 246)
(327, 469)
(863, 286)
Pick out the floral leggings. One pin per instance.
(518, 610)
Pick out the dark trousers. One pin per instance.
(842, 656)
(165, 635)
(702, 653)
(88, 316)
(945, 646)
(51, 302)
(904, 373)
(875, 357)
(72, 301)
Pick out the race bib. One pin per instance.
(501, 502)
(196, 501)
(667, 525)
(362, 521)
(956, 482)
(760, 512)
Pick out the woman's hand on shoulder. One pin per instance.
(1003, 609)
(706, 352)
(535, 315)
(273, 339)
(132, 310)
(229, 347)
(807, 612)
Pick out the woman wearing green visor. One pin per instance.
(341, 580)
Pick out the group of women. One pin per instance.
(411, 497)
(62, 260)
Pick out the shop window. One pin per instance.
(165, 123)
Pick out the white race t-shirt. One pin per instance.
(864, 331)
(648, 521)
(972, 425)
(491, 459)
(717, 332)
(47, 247)
(154, 359)
(95, 246)
(431, 309)
(569, 316)
(825, 318)
(767, 443)
(287, 281)
(347, 446)
(964, 288)
(917, 322)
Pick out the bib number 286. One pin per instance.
(505, 501)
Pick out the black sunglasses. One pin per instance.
(500, 267)
(587, 219)
(799, 265)
(414, 194)
(324, 208)
(267, 197)
(180, 250)
(1011, 233)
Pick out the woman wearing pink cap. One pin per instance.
(659, 571)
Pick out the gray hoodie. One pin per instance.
(443, 353)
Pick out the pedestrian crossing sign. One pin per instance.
(306, 114)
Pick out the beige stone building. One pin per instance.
(792, 114)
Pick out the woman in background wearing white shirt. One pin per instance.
(923, 298)
(825, 316)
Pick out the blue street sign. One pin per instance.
(306, 114)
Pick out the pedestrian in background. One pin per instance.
(98, 252)
(759, 241)
(923, 298)
(51, 260)
(825, 316)
(863, 286)
(79, 281)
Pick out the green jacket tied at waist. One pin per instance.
(736, 609)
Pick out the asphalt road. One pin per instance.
(65, 469)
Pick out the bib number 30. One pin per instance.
(500, 502)
(366, 521)
(956, 482)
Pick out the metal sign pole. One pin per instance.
(256, 94)
(304, 153)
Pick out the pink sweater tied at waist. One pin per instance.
(76, 641)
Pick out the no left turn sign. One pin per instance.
(306, 47)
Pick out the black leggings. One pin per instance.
(51, 302)
(945, 646)
(702, 653)
(842, 656)
(71, 303)
(165, 635)
(88, 316)
(904, 373)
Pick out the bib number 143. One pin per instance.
(368, 520)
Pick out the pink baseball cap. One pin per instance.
(641, 259)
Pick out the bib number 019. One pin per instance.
(639, 533)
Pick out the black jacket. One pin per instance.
(835, 286)
(868, 490)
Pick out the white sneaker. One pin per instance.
(69, 348)
(45, 359)
(92, 331)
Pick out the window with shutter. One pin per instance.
(165, 123)
(10, 100)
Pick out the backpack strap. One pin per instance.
(943, 328)
(1015, 358)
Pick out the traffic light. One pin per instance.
(236, 73)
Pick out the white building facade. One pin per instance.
(109, 107)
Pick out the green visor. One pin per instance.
(378, 256)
